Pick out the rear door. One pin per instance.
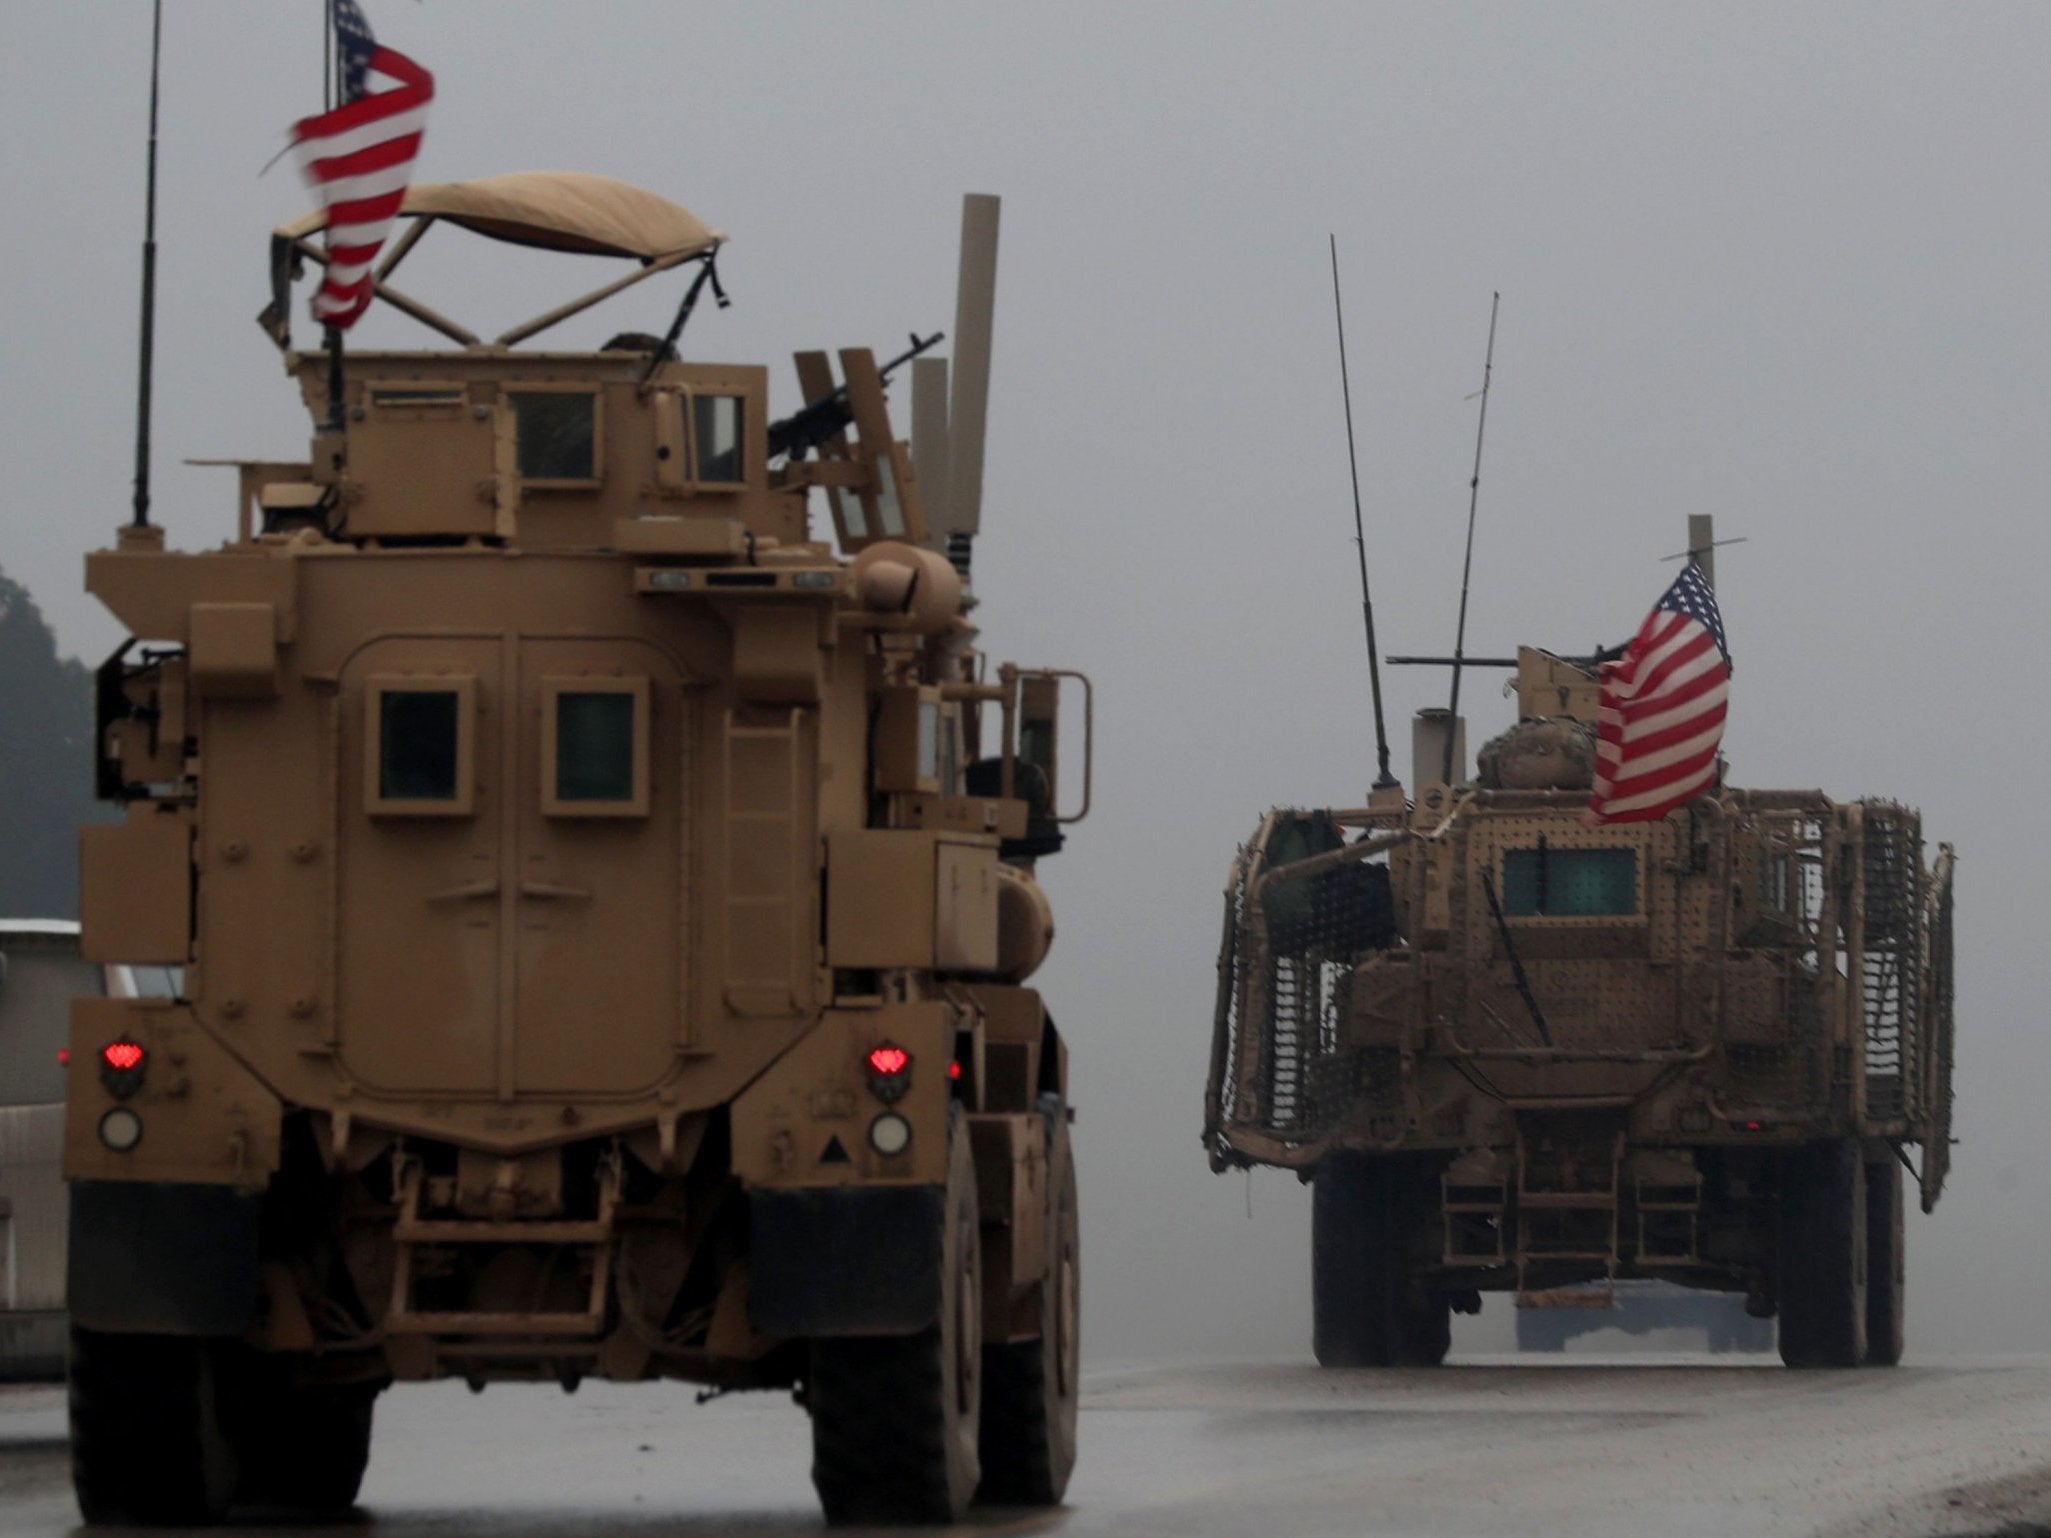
(513, 864)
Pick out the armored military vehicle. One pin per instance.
(605, 912)
(1513, 1051)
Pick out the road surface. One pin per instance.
(1666, 1446)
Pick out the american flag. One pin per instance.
(358, 158)
(1663, 706)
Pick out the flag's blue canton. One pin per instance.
(1690, 595)
(352, 35)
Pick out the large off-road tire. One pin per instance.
(1364, 1313)
(148, 1446)
(1029, 1387)
(301, 1446)
(1884, 1264)
(1823, 1255)
(896, 1418)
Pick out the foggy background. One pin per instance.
(1782, 265)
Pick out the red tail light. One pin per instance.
(890, 1072)
(121, 1067)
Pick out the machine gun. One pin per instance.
(827, 417)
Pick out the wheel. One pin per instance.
(1427, 1332)
(147, 1444)
(1363, 1310)
(1884, 1264)
(1029, 1387)
(1823, 1255)
(895, 1418)
(302, 1446)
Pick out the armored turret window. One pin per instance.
(1569, 883)
(595, 747)
(716, 433)
(420, 747)
(558, 432)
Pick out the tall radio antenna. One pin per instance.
(1374, 665)
(147, 363)
(1467, 564)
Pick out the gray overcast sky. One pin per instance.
(1780, 264)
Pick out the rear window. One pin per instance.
(1569, 883)
(36, 989)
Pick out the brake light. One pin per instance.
(121, 1067)
(890, 1072)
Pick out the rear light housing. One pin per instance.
(123, 1062)
(890, 1072)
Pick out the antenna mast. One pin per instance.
(1374, 667)
(1467, 564)
(147, 364)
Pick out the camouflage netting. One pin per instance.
(1544, 753)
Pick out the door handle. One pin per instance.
(544, 889)
(486, 888)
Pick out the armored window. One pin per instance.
(716, 435)
(595, 747)
(1569, 883)
(419, 754)
(558, 436)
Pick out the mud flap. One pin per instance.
(845, 1260)
(162, 1259)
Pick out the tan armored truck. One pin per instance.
(1515, 1052)
(605, 912)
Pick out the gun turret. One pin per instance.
(827, 417)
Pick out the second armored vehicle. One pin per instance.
(1516, 1052)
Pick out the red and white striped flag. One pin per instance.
(1663, 706)
(359, 158)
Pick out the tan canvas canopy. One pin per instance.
(557, 211)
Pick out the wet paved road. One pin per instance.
(1666, 1447)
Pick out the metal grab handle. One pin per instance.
(486, 888)
(547, 890)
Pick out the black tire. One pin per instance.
(1823, 1255)
(895, 1419)
(1427, 1332)
(1364, 1312)
(299, 1446)
(1885, 1276)
(148, 1448)
(1029, 1387)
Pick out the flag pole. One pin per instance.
(147, 364)
(331, 90)
(1374, 667)
(1467, 565)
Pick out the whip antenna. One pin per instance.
(1374, 665)
(147, 363)
(1467, 565)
